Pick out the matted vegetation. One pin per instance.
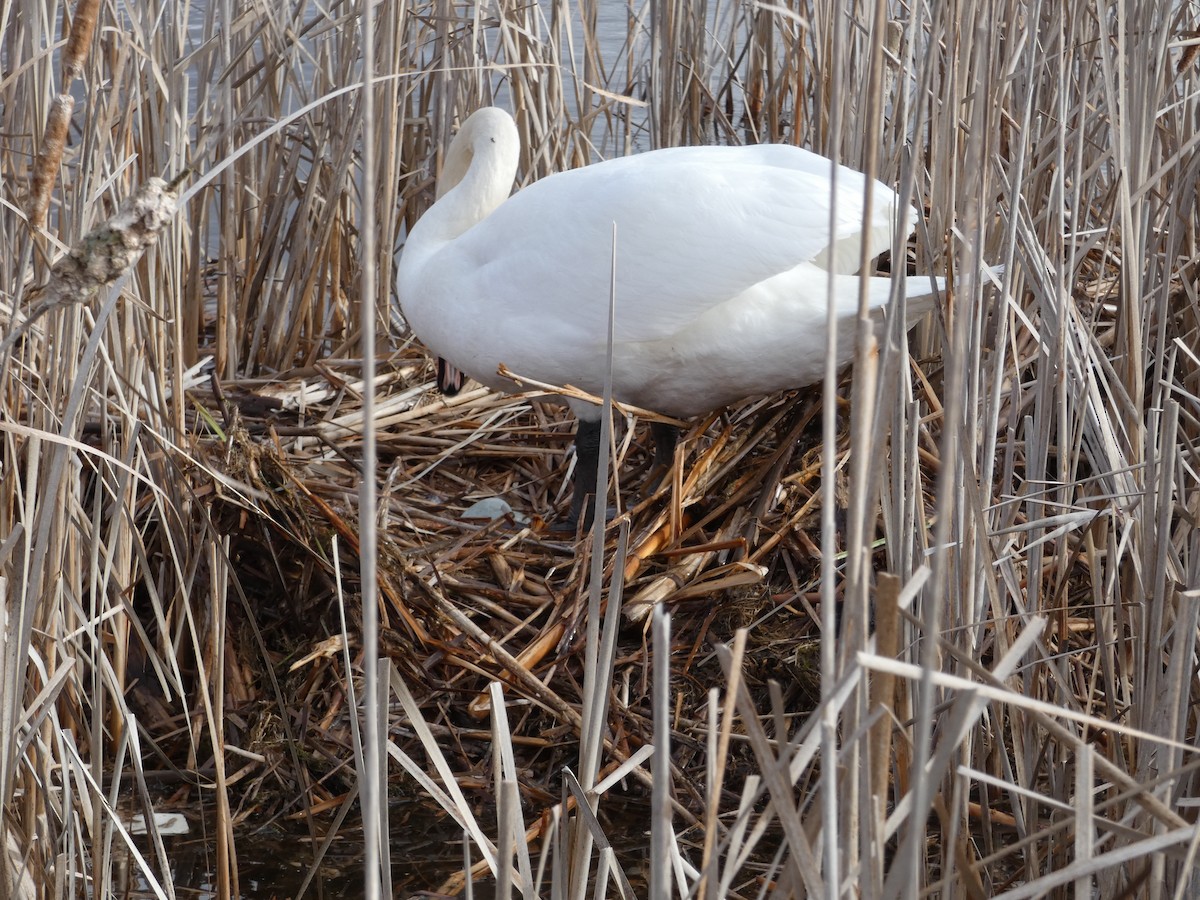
(936, 637)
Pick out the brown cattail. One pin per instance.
(54, 141)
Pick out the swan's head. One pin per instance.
(490, 136)
(477, 176)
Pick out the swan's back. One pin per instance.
(694, 227)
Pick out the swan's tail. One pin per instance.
(921, 294)
(923, 291)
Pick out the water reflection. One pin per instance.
(426, 850)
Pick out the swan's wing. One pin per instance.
(851, 191)
(695, 227)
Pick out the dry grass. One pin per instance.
(1012, 508)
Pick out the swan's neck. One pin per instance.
(476, 178)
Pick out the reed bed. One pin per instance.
(930, 631)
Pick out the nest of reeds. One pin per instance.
(727, 539)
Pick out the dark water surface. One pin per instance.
(426, 849)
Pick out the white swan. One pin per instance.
(724, 256)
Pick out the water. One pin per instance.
(427, 849)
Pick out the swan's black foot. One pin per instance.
(587, 455)
(450, 379)
(569, 524)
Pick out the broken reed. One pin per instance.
(1039, 452)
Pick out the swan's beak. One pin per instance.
(449, 379)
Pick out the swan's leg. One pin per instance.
(665, 438)
(587, 457)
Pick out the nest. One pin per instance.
(727, 539)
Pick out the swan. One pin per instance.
(723, 261)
